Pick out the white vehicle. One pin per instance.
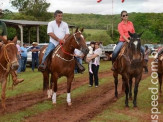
(29, 53)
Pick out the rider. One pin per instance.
(123, 27)
(58, 31)
(3, 33)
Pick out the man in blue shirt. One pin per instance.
(23, 57)
(34, 50)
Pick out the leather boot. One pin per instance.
(15, 79)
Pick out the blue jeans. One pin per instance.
(19, 68)
(80, 61)
(23, 63)
(34, 61)
(50, 47)
(118, 48)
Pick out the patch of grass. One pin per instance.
(93, 31)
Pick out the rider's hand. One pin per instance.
(61, 42)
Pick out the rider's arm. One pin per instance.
(54, 36)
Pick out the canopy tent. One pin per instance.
(25, 23)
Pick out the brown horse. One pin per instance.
(129, 64)
(61, 63)
(160, 69)
(8, 62)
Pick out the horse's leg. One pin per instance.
(130, 89)
(125, 81)
(45, 80)
(115, 74)
(54, 79)
(160, 81)
(3, 94)
(69, 80)
(137, 80)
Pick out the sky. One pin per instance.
(104, 7)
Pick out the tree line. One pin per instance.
(149, 23)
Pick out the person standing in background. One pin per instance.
(95, 65)
(146, 58)
(19, 56)
(79, 57)
(23, 57)
(34, 50)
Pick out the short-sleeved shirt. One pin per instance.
(60, 31)
(23, 51)
(35, 54)
(123, 29)
(3, 29)
(97, 59)
(78, 52)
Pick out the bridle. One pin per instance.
(9, 64)
(63, 50)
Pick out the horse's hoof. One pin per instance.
(115, 99)
(54, 103)
(69, 104)
(126, 108)
(135, 108)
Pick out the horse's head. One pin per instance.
(79, 42)
(10, 53)
(135, 42)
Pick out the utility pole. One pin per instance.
(112, 20)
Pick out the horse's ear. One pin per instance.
(15, 39)
(4, 40)
(82, 30)
(131, 34)
(76, 30)
(140, 34)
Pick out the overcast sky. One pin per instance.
(104, 7)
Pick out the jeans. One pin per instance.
(118, 48)
(94, 74)
(19, 68)
(50, 47)
(23, 63)
(78, 60)
(34, 61)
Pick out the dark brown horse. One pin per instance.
(160, 69)
(129, 64)
(61, 63)
(8, 62)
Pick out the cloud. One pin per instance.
(104, 7)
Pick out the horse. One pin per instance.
(61, 63)
(129, 64)
(160, 70)
(8, 62)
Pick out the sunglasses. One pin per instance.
(125, 15)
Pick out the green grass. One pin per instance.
(47, 105)
(93, 31)
(116, 112)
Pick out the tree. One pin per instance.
(36, 8)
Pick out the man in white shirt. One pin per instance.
(58, 31)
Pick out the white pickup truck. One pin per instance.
(107, 51)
